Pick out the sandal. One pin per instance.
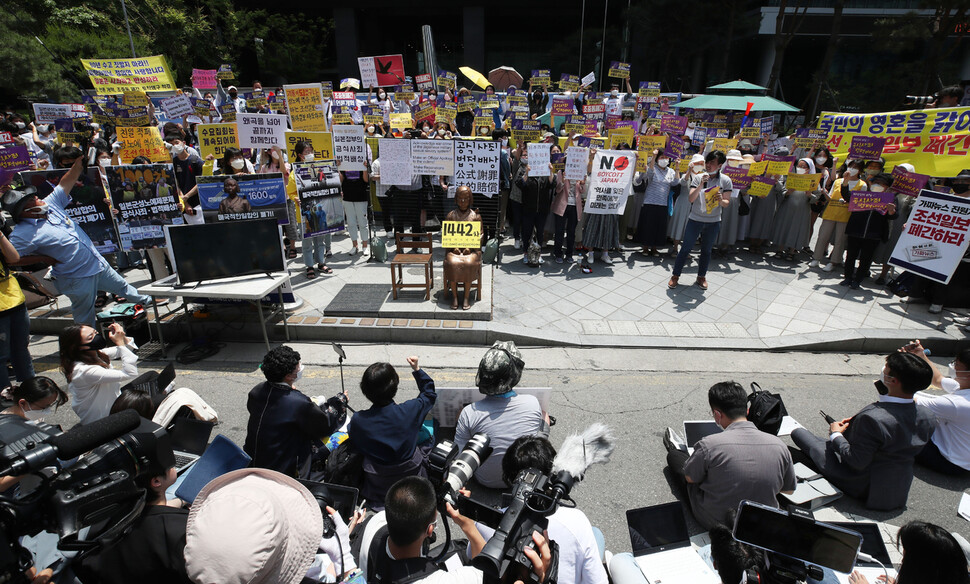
(291, 253)
(310, 274)
(587, 269)
(324, 268)
(673, 282)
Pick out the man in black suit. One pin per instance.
(870, 455)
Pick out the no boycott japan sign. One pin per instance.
(261, 130)
(113, 76)
(610, 177)
(935, 237)
(264, 196)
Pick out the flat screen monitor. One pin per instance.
(200, 253)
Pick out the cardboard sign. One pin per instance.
(322, 143)
(577, 159)
(810, 137)
(766, 125)
(425, 111)
(204, 78)
(262, 130)
(589, 78)
(611, 174)
(619, 70)
(908, 183)
(447, 79)
(739, 177)
(778, 164)
(432, 157)
(569, 82)
(712, 198)
(802, 182)
(761, 187)
(675, 147)
(401, 121)
(461, 234)
(935, 237)
(866, 147)
(305, 107)
(46, 113)
(349, 147)
(215, 138)
(724, 144)
(383, 71)
(477, 165)
(14, 159)
(759, 168)
(425, 81)
(562, 106)
(526, 131)
(645, 147)
(225, 72)
(650, 91)
(540, 77)
(446, 112)
(113, 76)
(869, 201)
(145, 142)
(178, 106)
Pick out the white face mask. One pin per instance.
(20, 125)
(441, 131)
(820, 160)
(951, 371)
(663, 163)
(382, 95)
(877, 188)
(39, 210)
(801, 170)
(370, 129)
(853, 172)
(238, 164)
(698, 169)
(308, 157)
(37, 415)
(853, 183)
(43, 128)
(178, 149)
(274, 155)
(614, 92)
(299, 372)
(872, 171)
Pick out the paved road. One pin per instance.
(637, 392)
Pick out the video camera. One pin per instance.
(97, 492)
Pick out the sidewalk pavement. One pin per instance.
(753, 303)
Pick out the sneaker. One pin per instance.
(559, 260)
(518, 244)
(525, 259)
(541, 261)
(936, 308)
(845, 282)
(605, 258)
(855, 285)
(569, 259)
(828, 267)
(674, 441)
(353, 251)
(813, 264)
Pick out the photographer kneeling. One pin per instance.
(393, 547)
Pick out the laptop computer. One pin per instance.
(695, 430)
(189, 440)
(342, 499)
(153, 382)
(662, 548)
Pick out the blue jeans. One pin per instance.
(14, 338)
(83, 291)
(315, 249)
(708, 234)
(566, 227)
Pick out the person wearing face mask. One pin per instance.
(835, 216)
(652, 224)
(35, 399)
(316, 248)
(864, 231)
(870, 455)
(45, 233)
(677, 223)
(236, 101)
(904, 206)
(874, 167)
(383, 101)
(791, 228)
(234, 162)
(538, 100)
(85, 357)
(614, 102)
(284, 424)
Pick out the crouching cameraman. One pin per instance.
(394, 544)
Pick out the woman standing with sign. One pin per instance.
(791, 232)
(677, 222)
(314, 247)
(652, 226)
(356, 191)
(14, 322)
(864, 231)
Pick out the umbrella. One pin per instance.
(475, 77)
(502, 77)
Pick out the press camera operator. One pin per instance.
(394, 547)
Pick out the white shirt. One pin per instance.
(952, 434)
(614, 105)
(94, 388)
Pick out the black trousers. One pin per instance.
(857, 248)
(406, 209)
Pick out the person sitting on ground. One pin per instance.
(740, 463)
(870, 455)
(86, 360)
(503, 415)
(285, 425)
(395, 542)
(948, 450)
(931, 555)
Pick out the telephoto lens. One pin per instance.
(465, 465)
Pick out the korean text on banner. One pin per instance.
(540, 77)
(46, 113)
(395, 156)
(215, 138)
(432, 157)
(262, 130)
(461, 234)
(305, 107)
(712, 198)
(936, 236)
(577, 159)
(761, 187)
(645, 147)
(477, 165)
(589, 78)
(866, 147)
(401, 121)
(869, 201)
(619, 70)
(88, 207)
(908, 183)
(811, 138)
(318, 186)
(145, 142)
(204, 78)
(14, 158)
(322, 143)
(936, 142)
(349, 147)
(611, 175)
(145, 197)
(562, 106)
(778, 164)
(383, 71)
(113, 76)
(759, 168)
(259, 196)
(538, 159)
(425, 81)
(802, 182)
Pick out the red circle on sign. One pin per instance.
(621, 163)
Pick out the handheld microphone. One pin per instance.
(74, 442)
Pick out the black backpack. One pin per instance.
(765, 409)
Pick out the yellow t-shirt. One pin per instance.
(11, 295)
(838, 210)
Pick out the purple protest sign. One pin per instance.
(14, 159)
(866, 147)
(582, 141)
(562, 107)
(908, 183)
(739, 176)
(869, 201)
(674, 125)
(675, 147)
(590, 128)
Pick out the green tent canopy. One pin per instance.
(761, 103)
(738, 86)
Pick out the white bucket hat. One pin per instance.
(251, 526)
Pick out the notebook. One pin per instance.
(662, 548)
(153, 382)
(189, 440)
(695, 430)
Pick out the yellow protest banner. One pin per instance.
(145, 142)
(778, 166)
(758, 168)
(135, 99)
(725, 144)
(760, 187)
(215, 138)
(113, 76)
(712, 197)
(802, 182)
(461, 234)
(683, 165)
(401, 121)
(645, 148)
(750, 132)
(936, 142)
(305, 106)
(322, 143)
(619, 136)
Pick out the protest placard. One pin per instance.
(801, 182)
(66, 131)
(401, 121)
(135, 99)
(14, 159)
(526, 131)
(558, 162)
(403, 93)
(477, 165)
(433, 157)
(372, 114)
(645, 147)
(610, 175)
(447, 79)
(87, 208)
(145, 142)
(778, 164)
(590, 128)
(446, 112)
(424, 111)
(724, 144)
(146, 198)
(425, 81)
(675, 147)
(255, 100)
(538, 159)
(870, 201)
(712, 198)
(178, 106)
(562, 106)
(766, 125)
(204, 78)
(750, 131)
(935, 237)
(675, 125)
(620, 137)
(257, 196)
(6, 138)
(594, 111)
(577, 159)
(650, 91)
(739, 177)
(215, 138)
(395, 157)
(810, 138)
(112, 76)
(759, 168)
(341, 115)
(262, 130)
(569, 82)
(225, 72)
(866, 147)
(466, 103)
(540, 78)
(322, 143)
(760, 186)
(227, 112)
(305, 107)
(619, 70)
(589, 78)
(202, 107)
(46, 113)
(908, 183)
(349, 147)
(318, 187)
